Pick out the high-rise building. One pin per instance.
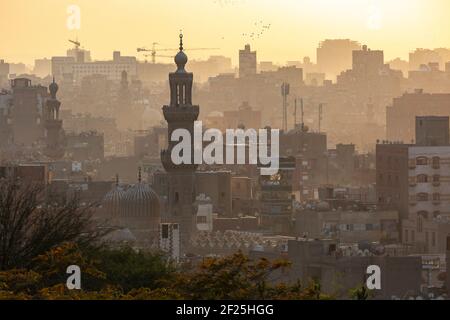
(412, 179)
(76, 69)
(28, 101)
(425, 56)
(367, 63)
(276, 198)
(335, 55)
(247, 62)
(432, 131)
(42, 67)
(4, 73)
(401, 116)
(181, 114)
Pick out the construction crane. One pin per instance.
(153, 51)
(156, 56)
(76, 43)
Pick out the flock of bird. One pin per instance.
(259, 28)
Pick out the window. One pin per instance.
(413, 236)
(201, 219)
(422, 197)
(419, 223)
(421, 161)
(423, 214)
(433, 239)
(422, 178)
(436, 197)
(436, 162)
(406, 236)
(436, 178)
(165, 231)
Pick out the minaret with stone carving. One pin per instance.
(54, 133)
(181, 114)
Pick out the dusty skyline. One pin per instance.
(296, 26)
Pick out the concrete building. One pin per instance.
(205, 213)
(367, 63)
(85, 145)
(276, 196)
(432, 131)
(247, 62)
(42, 67)
(217, 186)
(349, 226)
(26, 117)
(429, 78)
(244, 116)
(335, 55)
(424, 56)
(69, 67)
(401, 116)
(413, 179)
(4, 73)
(338, 271)
(243, 196)
(31, 173)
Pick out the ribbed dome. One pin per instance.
(113, 199)
(141, 200)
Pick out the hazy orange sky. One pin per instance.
(37, 28)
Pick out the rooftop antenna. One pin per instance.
(285, 87)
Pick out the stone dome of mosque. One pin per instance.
(113, 199)
(140, 200)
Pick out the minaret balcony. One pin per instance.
(181, 113)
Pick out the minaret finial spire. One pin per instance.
(117, 179)
(139, 175)
(181, 40)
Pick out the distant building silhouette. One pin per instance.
(247, 62)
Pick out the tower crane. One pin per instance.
(76, 43)
(153, 51)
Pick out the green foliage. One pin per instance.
(129, 269)
(126, 274)
(359, 293)
(240, 278)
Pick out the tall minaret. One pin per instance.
(53, 125)
(181, 114)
